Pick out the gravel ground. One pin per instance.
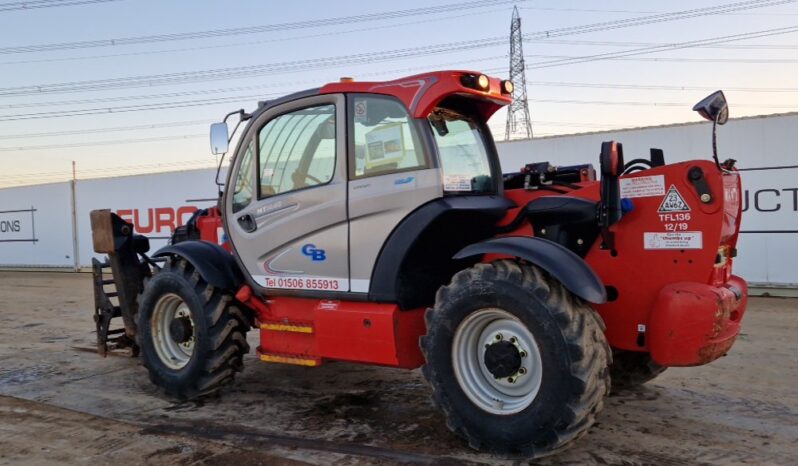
(62, 404)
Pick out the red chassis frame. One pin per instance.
(682, 305)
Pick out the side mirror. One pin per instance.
(219, 138)
(714, 108)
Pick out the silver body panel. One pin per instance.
(376, 205)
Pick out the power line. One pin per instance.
(678, 59)
(588, 10)
(281, 38)
(280, 27)
(249, 70)
(657, 18)
(364, 58)
(662, 48)
(644, 12)
(103, 143)
(650, 104)
(168, 95)
(608, 43)
(166, 105)
(38, 4)
(661, 87)
(284, 84)
(112, 171)
(113, 129)
(133, 108)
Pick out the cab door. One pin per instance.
(287, 214)
(391, 174)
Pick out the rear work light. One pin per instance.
(507, 87)
(479, 82)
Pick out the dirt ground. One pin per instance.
(62, 404)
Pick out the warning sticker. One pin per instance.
(361, 111)
(673, 202)
(673, 240)
(643, 186)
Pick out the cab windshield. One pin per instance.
(463, 155)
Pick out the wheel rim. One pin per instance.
(173, 353)
(475, 338)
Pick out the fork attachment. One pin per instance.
(129, 267)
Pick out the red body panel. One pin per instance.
(653, 284)
(692, 324)
(422, 92)
(319, 330)
(210, 228)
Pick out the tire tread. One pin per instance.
(588, 352)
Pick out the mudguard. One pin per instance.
(571, 270)
(216, 266)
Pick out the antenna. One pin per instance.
(518, 121)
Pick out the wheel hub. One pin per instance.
(502, 359)
(496, 361)
(173, 331)
(181, 329)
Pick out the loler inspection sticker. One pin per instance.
(643, 186)
(673, 240)
(673, 202)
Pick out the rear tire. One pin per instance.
(191, 334)
(631, 369)
(518, 304)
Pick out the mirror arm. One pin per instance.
(715, 141)
(219, 169)
(242, 116)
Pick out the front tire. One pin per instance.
(192, 336)
(517, 363)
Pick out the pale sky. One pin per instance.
(97, 103)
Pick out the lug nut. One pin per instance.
(522, 370)
(523, 354)
(511, 380)
(512, 340)
(499, 336)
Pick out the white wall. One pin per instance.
(39, 234)
(770, 196)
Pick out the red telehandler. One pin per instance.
(371, 222)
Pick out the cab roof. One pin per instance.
(421, 93)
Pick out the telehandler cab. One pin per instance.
(370, 222)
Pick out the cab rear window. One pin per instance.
(463, 155)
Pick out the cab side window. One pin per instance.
(296, 150)
(244, 189)
(385, 141)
